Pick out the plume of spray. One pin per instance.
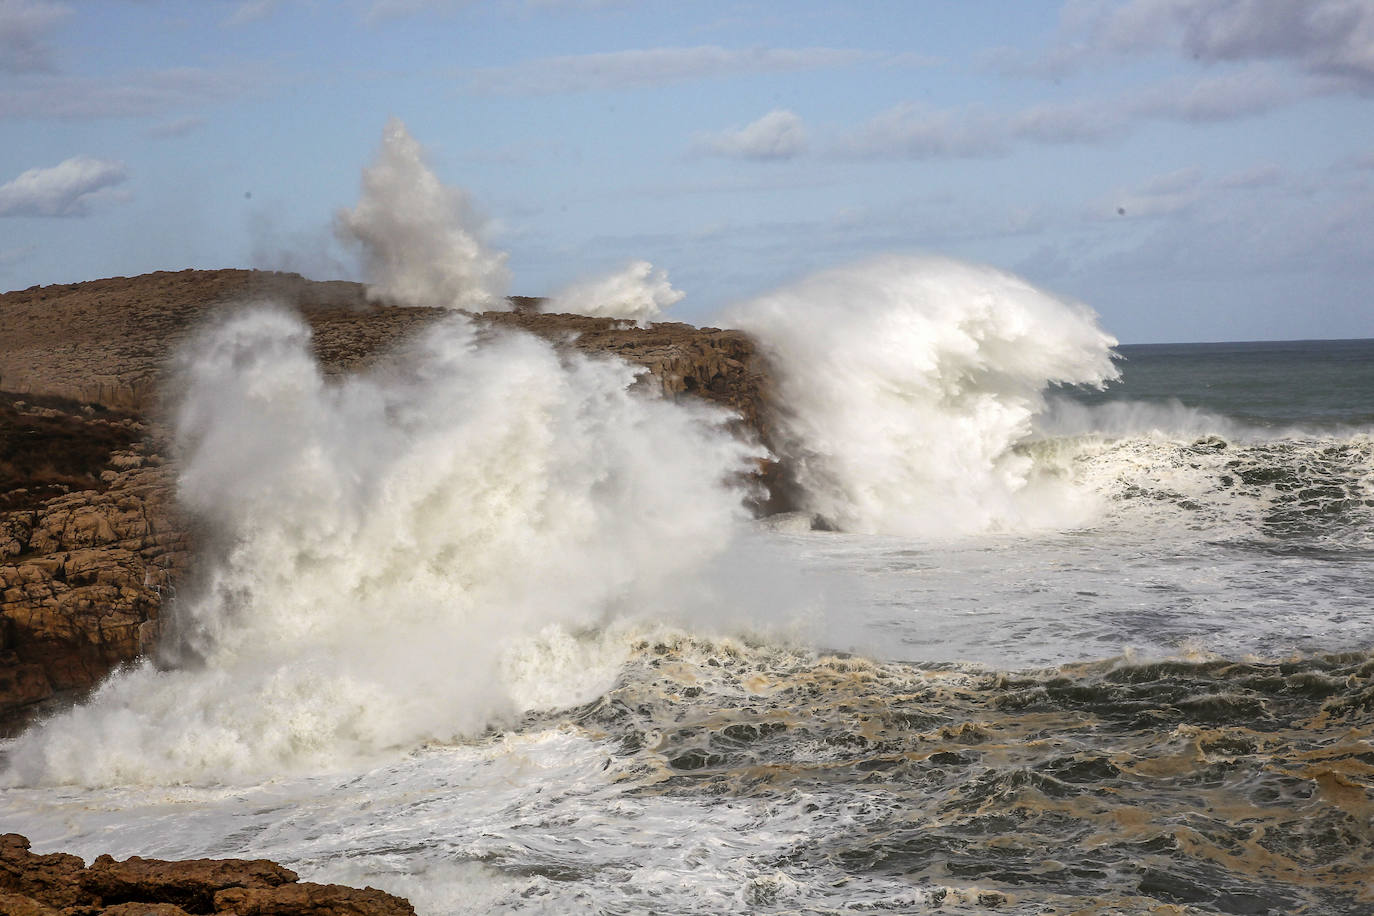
(421, 241)
(639, 292)
(907, 383)
(379, 546)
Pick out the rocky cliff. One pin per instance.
(91, 545)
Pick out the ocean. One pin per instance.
(1084, 628)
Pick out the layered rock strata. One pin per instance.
(58, 884)
(91, 545)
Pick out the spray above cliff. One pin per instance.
(421, 240)
(423, 244)
(639, 292)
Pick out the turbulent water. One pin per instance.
(489, 629)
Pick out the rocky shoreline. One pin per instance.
(92, 546)
(59, 883)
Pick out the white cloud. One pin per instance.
(650, 67)
(921, 132)
(24, 28)
(1224, 97)
(249, 11)
(1076, 122)
(909, 130)
(780, 134)
(177, 128)
(1260, 176)
(1162, 195)
(142, 94)
(66, 189)
(1333, 38)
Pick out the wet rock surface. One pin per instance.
(91, 543)
(61, 883)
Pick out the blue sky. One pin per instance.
(1192, 169)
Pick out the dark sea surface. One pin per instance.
(1314, 384)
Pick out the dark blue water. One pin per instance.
(1313, 384)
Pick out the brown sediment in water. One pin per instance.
(1191, 787)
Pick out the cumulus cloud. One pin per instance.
(24, 29)
(651, 67)
(780, 134)
(66, 189)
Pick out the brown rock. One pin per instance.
(141, 909)
(20, 905)
(316, 899)
(53, 880)
(190, 884)
(33, 885)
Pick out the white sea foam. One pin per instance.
(1063, 416)
(907, 382)
(421, 241)
(639, 292)
(388, 557)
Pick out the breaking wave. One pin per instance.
(384, 550)
(907, 382)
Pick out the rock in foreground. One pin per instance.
(57, 883)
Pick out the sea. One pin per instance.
(1059, 625)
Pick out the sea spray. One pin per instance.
(905, 384)
(639, 292)
(377, 544)
(421, 241)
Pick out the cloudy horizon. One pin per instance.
(1191, 169)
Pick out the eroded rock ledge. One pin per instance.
(58, 883)
(91, 545)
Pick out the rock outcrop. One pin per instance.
(91, 545)
(58, 883)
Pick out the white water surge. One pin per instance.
(639, 292)
(382, 549)
(907, 382)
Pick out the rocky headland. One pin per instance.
(92, 547)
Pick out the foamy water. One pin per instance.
(488, 629)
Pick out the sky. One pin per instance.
(1190, 169)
